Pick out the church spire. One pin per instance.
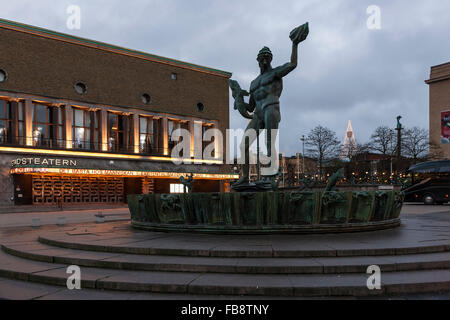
(349, 147)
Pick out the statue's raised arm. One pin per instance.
(297, 35)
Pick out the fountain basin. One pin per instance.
(267, 212)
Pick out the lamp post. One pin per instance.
(399, 137)
(391, 137)
(399, 143)
(303, 154)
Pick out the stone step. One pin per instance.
(191, 247)
(285, 285)
(22, 290)
(319, 265)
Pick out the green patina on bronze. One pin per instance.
(266, 212)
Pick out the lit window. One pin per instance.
(146, 141)
(5, 121)
(3, 75)
(176, 188)
(48, 123)
(85, 133)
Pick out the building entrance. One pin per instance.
(55, 189)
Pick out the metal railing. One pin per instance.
(79, 145)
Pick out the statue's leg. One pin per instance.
(272, 119)
(245, 145)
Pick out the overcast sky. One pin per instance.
(346, 71)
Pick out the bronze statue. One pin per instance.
(334, 179)
(187, 182)
(399, 125)
(264, 101)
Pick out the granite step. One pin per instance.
(22, 290)
(238, 250)
(320, 265)
(286, 285)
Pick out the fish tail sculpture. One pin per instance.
(238, 95)
(338, 175)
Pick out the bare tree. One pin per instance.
(415, 143)
(322, 144)
(355, 149)
(383, 140)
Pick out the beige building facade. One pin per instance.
(439, 108)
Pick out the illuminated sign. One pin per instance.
(107, 155)
(123, 173)
(44, 161)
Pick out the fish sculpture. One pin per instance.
(334, 179)
(238, 95)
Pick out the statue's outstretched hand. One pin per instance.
(299, 34)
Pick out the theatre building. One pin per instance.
(439, 88)
(87, 122)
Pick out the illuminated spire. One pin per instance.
(349, 147)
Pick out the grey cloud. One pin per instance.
(345, 72)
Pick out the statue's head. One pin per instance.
(264, 58)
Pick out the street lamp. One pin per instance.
(391, 137)
(303, 153)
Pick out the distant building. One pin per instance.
(291, 169)
(349, 147)
(439, 109)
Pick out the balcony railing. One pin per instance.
(87, 146)
(79, 145)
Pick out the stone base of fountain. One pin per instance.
(267, 212)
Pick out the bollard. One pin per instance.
(61, 221)
(36, 222)
(99, 218)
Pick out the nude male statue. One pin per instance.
(264, 99)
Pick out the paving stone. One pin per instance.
(238, 284)
(354, 264)
(416, 281)
(89, 276)
(174, 282)
(17, 268)
(280, 265)
(242, 250)
(21, 290)
(330, 284)
(174, 263)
